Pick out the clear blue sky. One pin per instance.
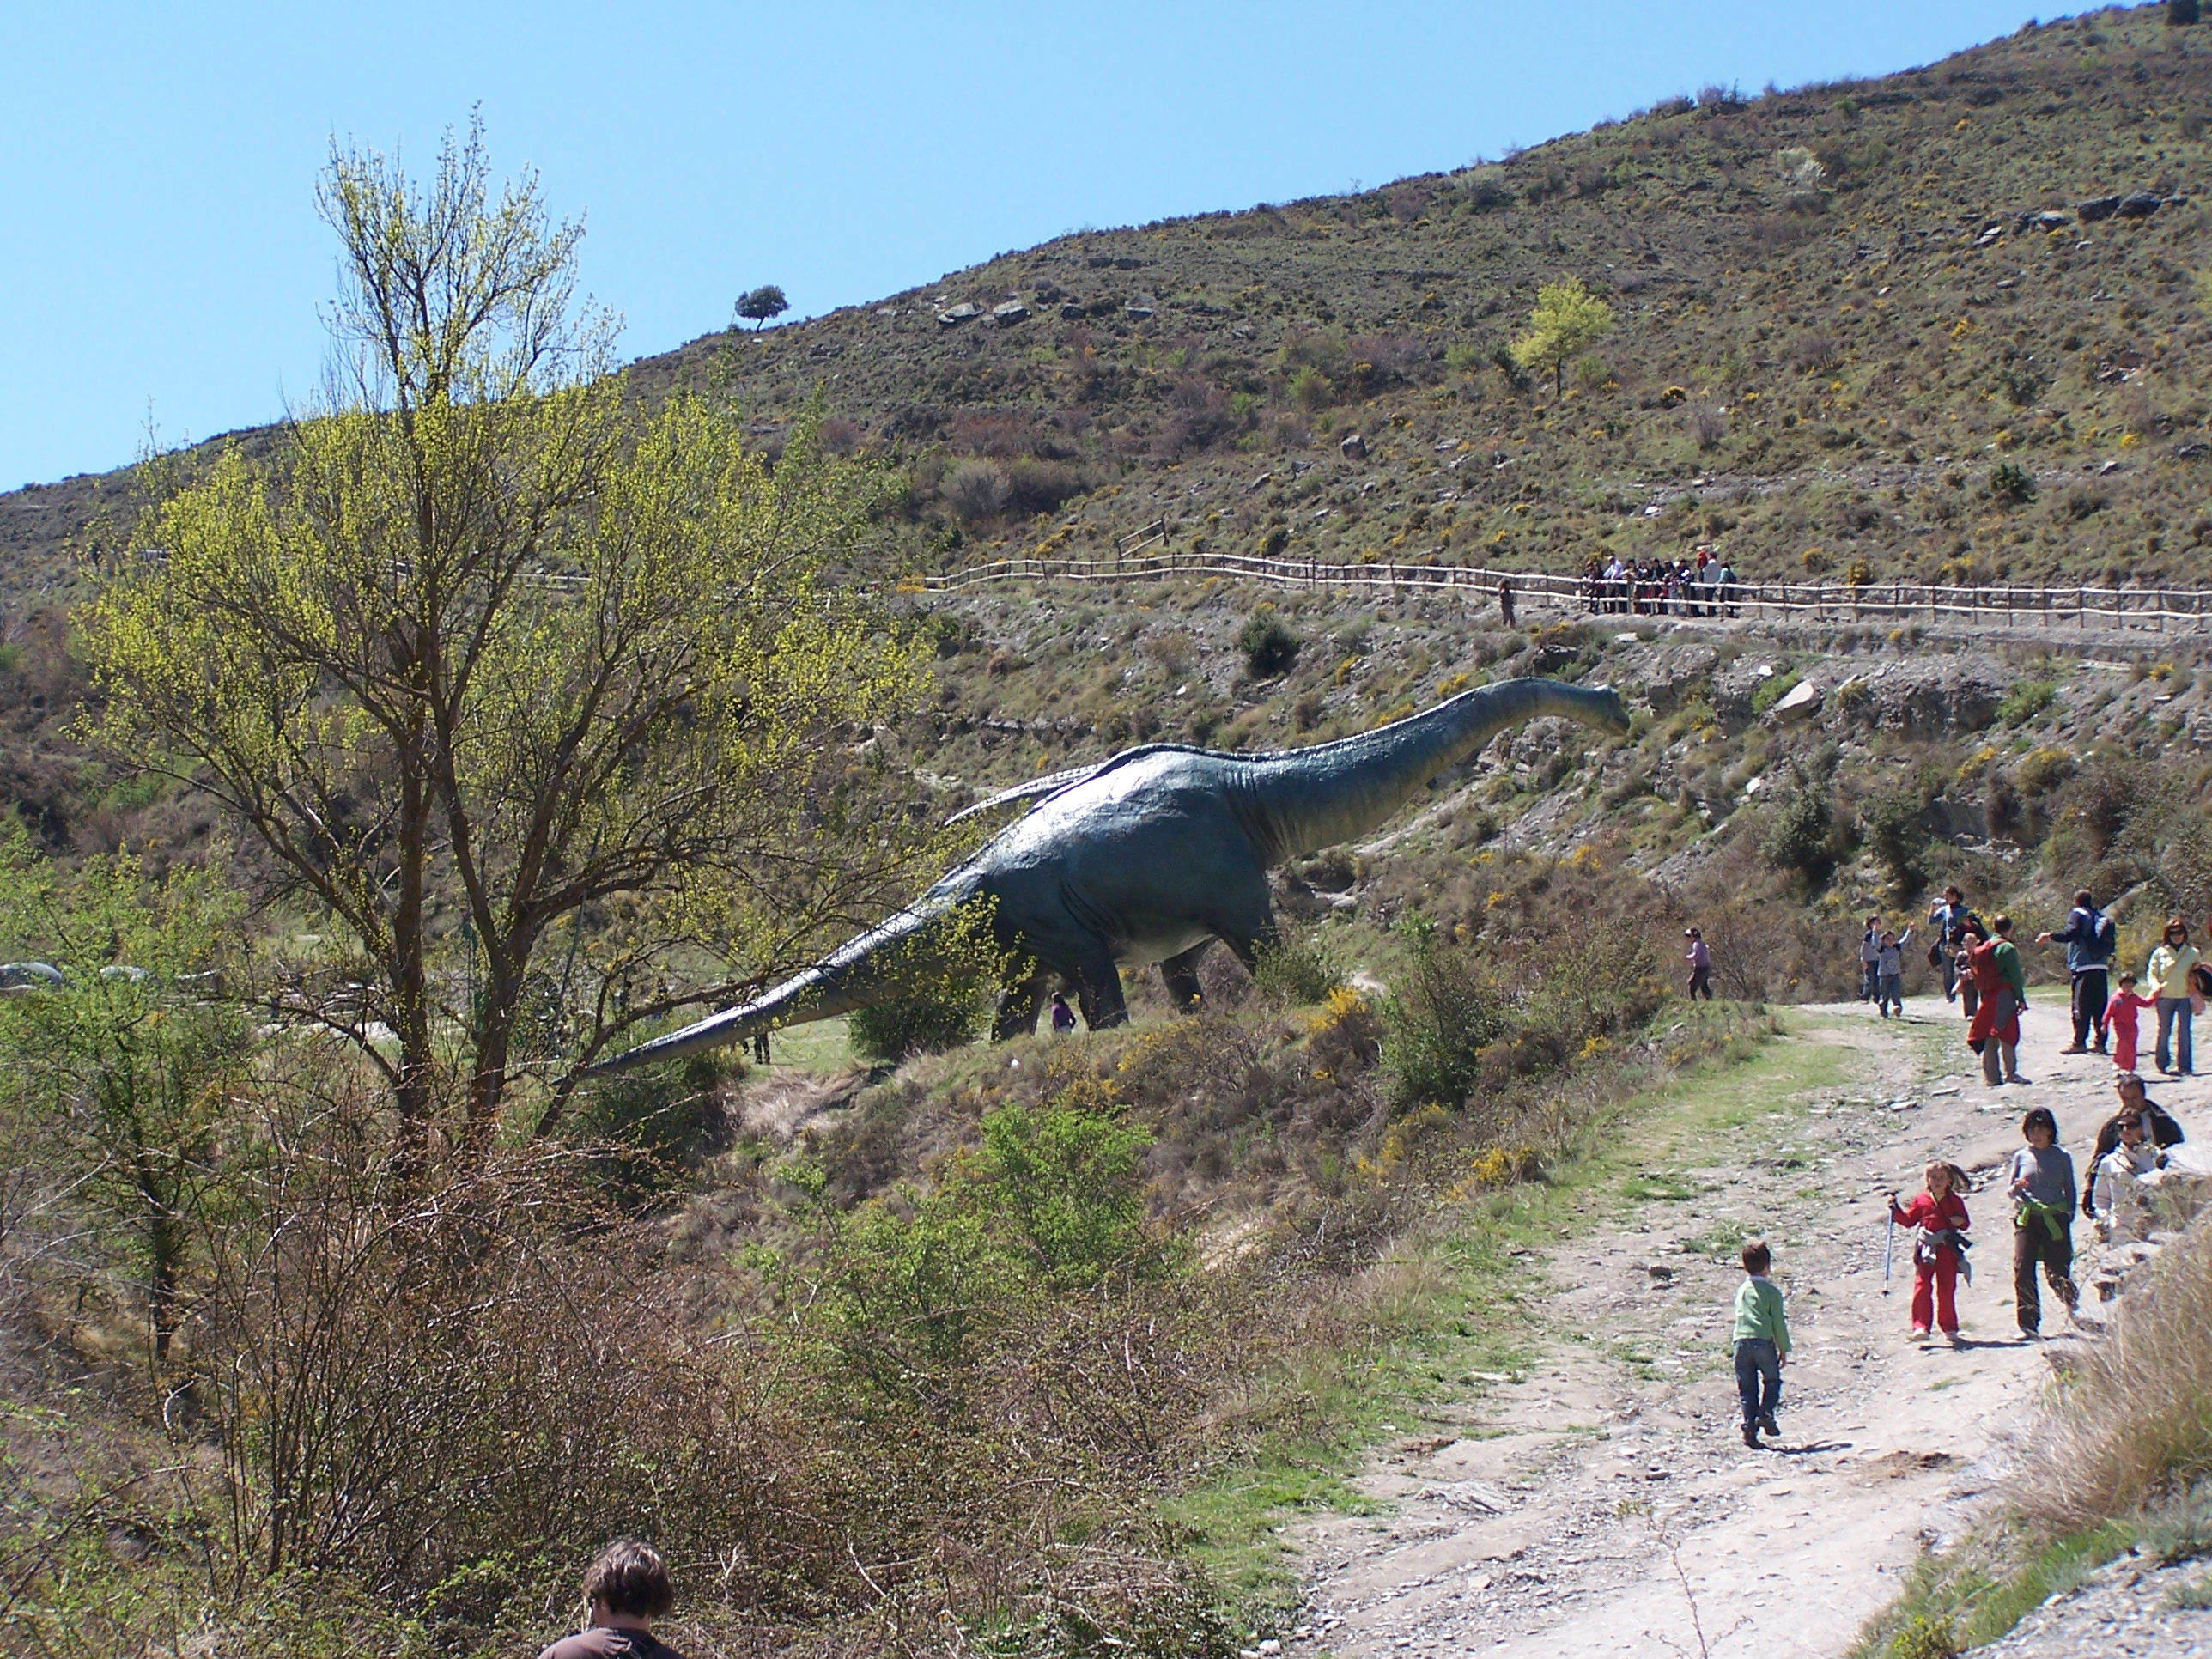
(159, 246)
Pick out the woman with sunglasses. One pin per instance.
(2168, 977)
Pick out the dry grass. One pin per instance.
(2133, 1422)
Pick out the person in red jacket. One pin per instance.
(1939, 1214)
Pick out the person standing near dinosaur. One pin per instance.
(2089, 937)
(2002, 981)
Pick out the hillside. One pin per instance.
(1836, 311)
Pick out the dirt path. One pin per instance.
(1602, 1502)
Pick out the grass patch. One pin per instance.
(1983, 1589)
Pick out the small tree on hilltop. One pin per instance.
(763, 303)
(2181, 13)
(1568, 319)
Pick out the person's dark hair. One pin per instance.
(2175, 925)
(2040, 1118)
(1953, 893)
(2002, 924)
(1757, 1258)
(2128, 1082)
(630, 1577)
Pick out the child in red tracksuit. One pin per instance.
(2120, 1015)
(1938, 1252)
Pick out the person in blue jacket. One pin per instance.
(2089, 937)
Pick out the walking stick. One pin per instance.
(1888, 1245)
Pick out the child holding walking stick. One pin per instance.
(1938, 1217)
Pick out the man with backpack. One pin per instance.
(2089, 938)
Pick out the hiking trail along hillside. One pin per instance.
(1600, 1502)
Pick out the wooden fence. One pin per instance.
(1144, 556)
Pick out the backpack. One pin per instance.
(2101, 935)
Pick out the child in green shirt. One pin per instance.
(1762, 1343)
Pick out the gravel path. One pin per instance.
(1602, 1504)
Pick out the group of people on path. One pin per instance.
(1702, 587)
(2039, 1180)
(1984, 972)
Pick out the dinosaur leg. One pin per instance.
(1179, 974)
(1098, 989)
(1017, 1009)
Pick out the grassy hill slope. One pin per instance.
(1832, 322)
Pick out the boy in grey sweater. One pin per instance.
(2040, 1179)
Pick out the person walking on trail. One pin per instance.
(2121, 1015)
(1063, 1017)
(1949, 916)
(1938, 1215)
(2169, 977)
(2089, 937)
(1762, 1343)
(2124, 1175)
(1889, 973)
(1701, 965)
(1505, 601)
(1870, 959)
(624, 1591)
(2040, 1179)
(2000, 980)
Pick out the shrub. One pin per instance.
(2027, 699)
(1310, 390)
(1794, 830)
(1268, 645)
(1771, 690)
(977, 490)
(1298, 970)
(645, 1127)
(2011, 482)
(1444, 1014)
(1897, 832)
(948, 974)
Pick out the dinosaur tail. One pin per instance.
(1303, 799)
(858, 974)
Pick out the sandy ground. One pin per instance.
(1603, 1504)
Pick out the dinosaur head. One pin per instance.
(1612, 712)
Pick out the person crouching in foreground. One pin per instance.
(624, 1591)
(1939, 1251)
(1762, 1343)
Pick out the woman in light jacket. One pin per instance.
(2166, 977)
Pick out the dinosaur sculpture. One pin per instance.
(1150, 857)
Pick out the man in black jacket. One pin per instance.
(2088, 937)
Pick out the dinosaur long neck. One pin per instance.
(1304, 799)
(858, 974)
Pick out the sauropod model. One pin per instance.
(1150, 857)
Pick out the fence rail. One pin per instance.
(2182, 610)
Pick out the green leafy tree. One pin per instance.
(541, 700)
(119, 1078)
(948, 975)
(763, 304)
(1567, 321)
